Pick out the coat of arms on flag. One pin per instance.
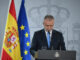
(11, 37)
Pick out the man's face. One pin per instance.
(48, 24)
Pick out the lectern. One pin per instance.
(56, 55)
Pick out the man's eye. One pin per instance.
(49, 25)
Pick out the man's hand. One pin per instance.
(36, 55)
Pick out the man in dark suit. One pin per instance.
(47, 38)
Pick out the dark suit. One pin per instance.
(39, 41)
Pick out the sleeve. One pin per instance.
(62, 43)
(33, 48)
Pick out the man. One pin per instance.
(47, 38)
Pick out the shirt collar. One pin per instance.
(50, 32)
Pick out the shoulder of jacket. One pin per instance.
(58, 32)
(39, 31)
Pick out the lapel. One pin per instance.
(44, 38)
(53, 40)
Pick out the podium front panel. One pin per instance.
(56, 55)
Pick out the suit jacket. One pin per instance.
(39, 41)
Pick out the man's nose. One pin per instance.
(49, 27)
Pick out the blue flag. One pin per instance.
(24, 33)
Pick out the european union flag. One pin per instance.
(24, 33)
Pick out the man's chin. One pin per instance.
(48, 30)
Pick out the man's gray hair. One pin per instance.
(49, 17)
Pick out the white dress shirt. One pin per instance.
(50, 33)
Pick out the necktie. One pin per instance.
(48, 38)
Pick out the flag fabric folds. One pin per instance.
(24, 33)
(11, 44)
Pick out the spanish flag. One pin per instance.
(11, 44)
